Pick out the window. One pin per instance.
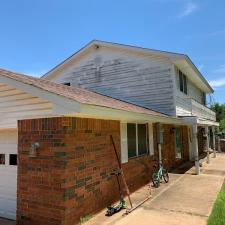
(131, 139)
(137, 139)
(13, 159)
(183, 82)
(2, 159)
(178, 142)
(203, 98)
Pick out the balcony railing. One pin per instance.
(202, 111)
(190, 107)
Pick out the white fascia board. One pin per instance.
(99, 112)
(208, 123)
(200, 122)
(60, 101)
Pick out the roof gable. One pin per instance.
(177, 59)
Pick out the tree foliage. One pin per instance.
(220, 114)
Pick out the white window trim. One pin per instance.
(151, 139)
(136, 127)
(124, 141)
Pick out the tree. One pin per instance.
(222, 125)
(220, 111)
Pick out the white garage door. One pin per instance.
(8, 173)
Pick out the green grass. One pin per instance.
(217, 216)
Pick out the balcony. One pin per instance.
(202, 111)
(190, 107)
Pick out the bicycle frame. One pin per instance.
(160, 172)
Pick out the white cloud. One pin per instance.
(189, 9)
(217, 83)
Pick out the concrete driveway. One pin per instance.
(187, 200)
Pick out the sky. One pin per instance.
(36, 35)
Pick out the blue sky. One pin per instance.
(38, 34)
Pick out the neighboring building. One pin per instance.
(69, 176)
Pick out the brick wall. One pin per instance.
(70, 177)
(222, 145)
(168, 147)
(201, 140)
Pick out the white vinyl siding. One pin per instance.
(192, 103)
(143, 80)
(16, 104)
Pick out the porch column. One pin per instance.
(207, 143)
(195, 146)
(214, 142)
(218, 140)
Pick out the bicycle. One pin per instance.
(158, 175)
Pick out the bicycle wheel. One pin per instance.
(155, 180)
(165, 176)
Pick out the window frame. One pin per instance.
(136, 138)
(183, 82)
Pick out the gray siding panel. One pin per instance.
(145, 81)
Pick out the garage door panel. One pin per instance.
(8, 175)
(9, 210)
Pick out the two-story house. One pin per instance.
(59, 127)
(163, 81)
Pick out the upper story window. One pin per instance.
(204, 98)
(183, 82)
(137, 139)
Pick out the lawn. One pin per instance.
(217, 216)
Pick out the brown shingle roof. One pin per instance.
(77, 94)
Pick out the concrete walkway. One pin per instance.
(187, 200)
